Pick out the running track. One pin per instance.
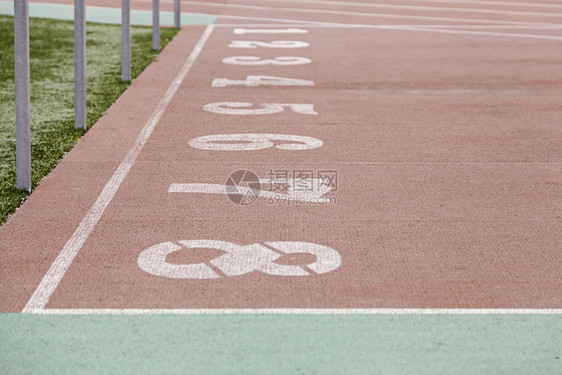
(439, 120)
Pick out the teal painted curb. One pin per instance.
(281, 344)
(106, 15)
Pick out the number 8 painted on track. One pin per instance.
(237, 260)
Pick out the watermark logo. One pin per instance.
(243, 187)
(283, 186)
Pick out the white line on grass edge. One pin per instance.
(59, 267)
(296, 311)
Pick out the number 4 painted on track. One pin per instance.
(241, 108)
(254, 81)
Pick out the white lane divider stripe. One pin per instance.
(299, 311)
(409, 17)
(394, 26)
(479, 33)
(417, 7)
(59, 267)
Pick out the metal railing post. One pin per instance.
(125, 40)
(177, 14)
(79, 64)
(23, 129)
(155, 25)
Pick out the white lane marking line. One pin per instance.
(463, 2)
(508, 27)
(324, 2)
(482, 33)
(59, 267)
(297, 311)
(302, 23)
(425, 18)
(385, 6)
(308, 23)
(363, 26)
(422, 28)
(453, 10)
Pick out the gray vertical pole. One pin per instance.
(23, 131)
(79, 64)
(177, 14)
(125, 40)
(155, 25)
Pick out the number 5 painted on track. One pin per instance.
(250, 142)
(238, 108)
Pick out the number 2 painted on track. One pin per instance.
(241, 108)
(240, 31)
(273, 44)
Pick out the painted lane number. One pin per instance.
(241, 108)
(241, 31)
(254, 81)
(273, 44)
(313, 195)
(254, 60)
(237, 260)
(250, 142)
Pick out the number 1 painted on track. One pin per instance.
(316, 194)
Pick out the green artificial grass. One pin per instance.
(52, 91)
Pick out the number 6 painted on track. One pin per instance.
(250, 142)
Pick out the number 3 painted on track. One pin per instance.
(249, 142)
(237, 260)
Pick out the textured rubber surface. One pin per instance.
(281, 344)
